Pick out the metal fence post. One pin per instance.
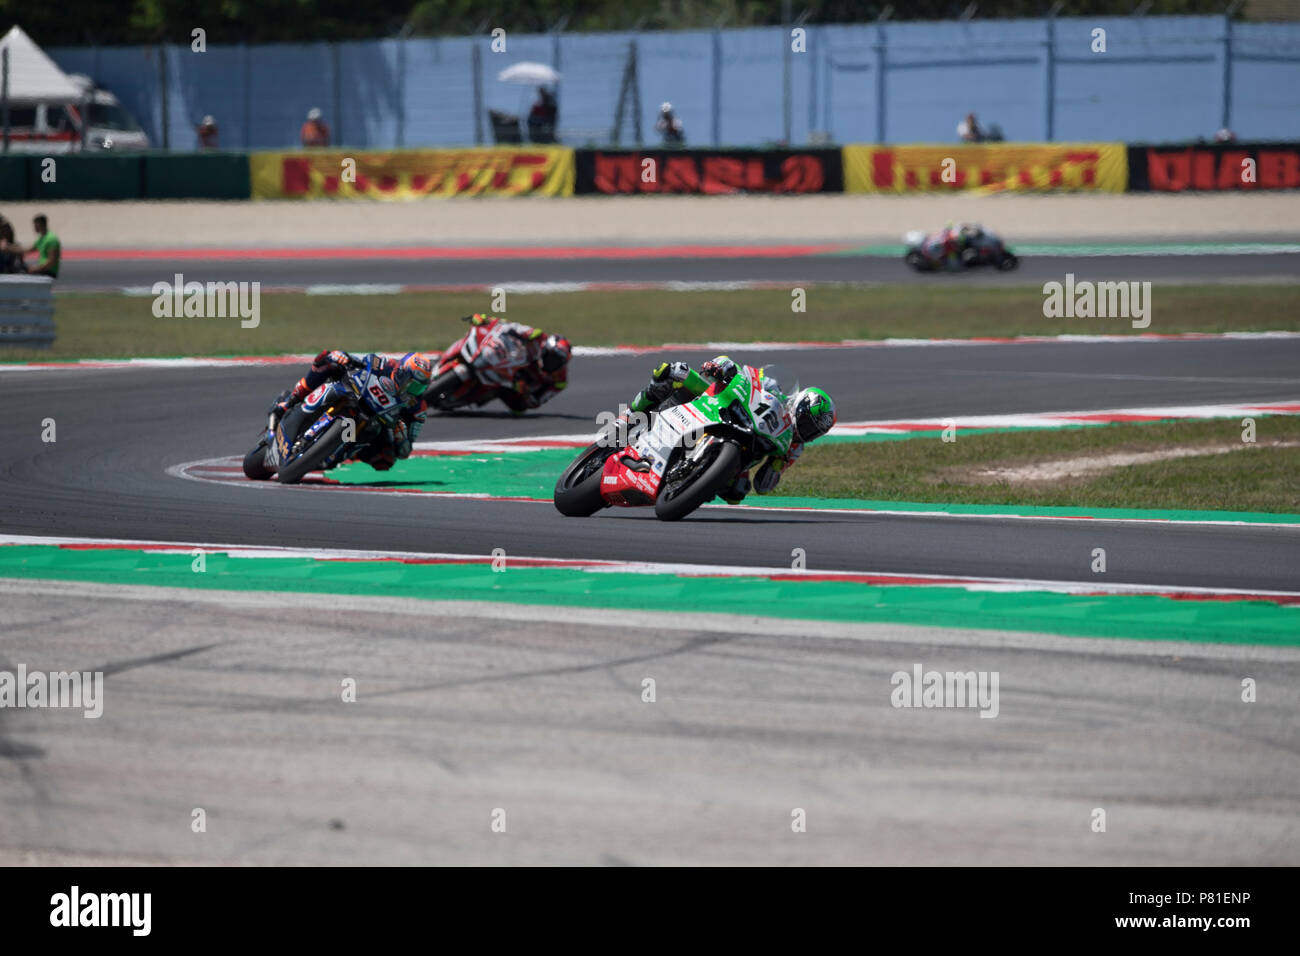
(4, 94)
(1227, 65)
(828, 70)
(162, 92)
(336, 93)
(717, 85)
(812, 93)
(1049, 84)
(248, 95)
(476, 68)
(786, 54)
(880, 82)
(636, 92)
(400, 118)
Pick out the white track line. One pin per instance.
(623, 350)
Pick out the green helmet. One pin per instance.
(814, 413)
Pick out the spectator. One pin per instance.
(670, 127)
(11, 254)
(969, 130)
(542, 117)
(314, 131)
(208, 133)
(47, 247)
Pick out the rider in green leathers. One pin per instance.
(675, 383)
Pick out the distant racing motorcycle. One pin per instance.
(976, 246)
(474, 367)
(684, 456)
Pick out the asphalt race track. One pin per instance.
(229, 701)
(106, 474)
(90, 274)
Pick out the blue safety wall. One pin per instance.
(1160, 79)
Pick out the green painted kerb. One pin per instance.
(532, 474)
(1140, 617)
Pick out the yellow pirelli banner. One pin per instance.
(987, 167)
(413, 173)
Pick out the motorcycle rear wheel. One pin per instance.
(675, 503)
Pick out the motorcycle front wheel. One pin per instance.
(311, 459)
(577, 493)
(679, 498)
(441, 387)
(255, 463)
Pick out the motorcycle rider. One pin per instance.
(411, 375)
(811, 409)
(958, 238)
(547, 371)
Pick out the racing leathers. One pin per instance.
(533, 386)
(675, 383)
(396, 440)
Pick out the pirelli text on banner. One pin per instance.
(986, 167)
(412, 174)
(709, 171)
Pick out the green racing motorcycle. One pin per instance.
(681, 456)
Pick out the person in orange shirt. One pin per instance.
(314, 131)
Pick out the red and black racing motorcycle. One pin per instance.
(476, 366)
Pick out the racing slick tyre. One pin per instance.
(577, 493)
(679, 498)
(915, 260)
(255, 463)
(441, 387)
(1008, 262)
(311, 459)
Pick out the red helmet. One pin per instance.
(556, 352)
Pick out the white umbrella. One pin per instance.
(534, 74)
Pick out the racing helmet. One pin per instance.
(556, 352)
(413, 374)
(813, 412)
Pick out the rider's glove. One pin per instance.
(401, 440)
(720, 369)
(282, 404)
(674, 371)
(478, 318)
(332, 362)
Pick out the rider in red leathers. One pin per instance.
(547, 372)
